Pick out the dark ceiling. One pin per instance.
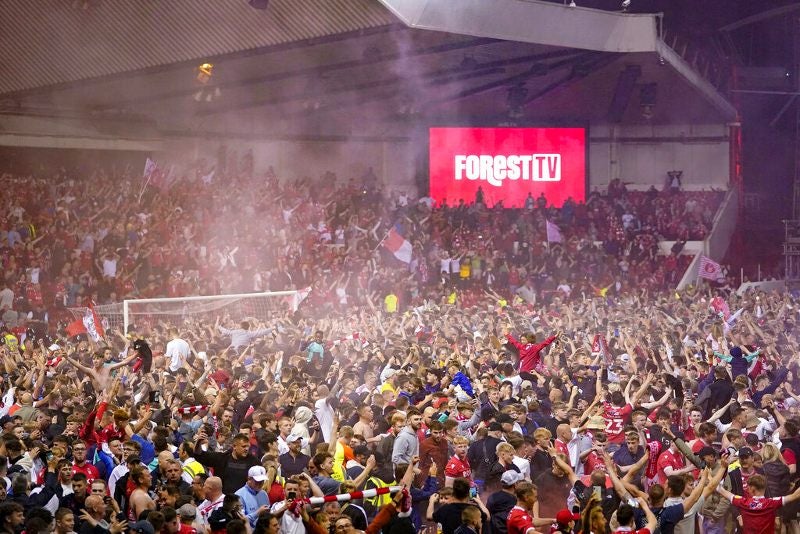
(330, 67)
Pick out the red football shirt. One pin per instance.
(668, 459)
(758, 513)
(457, 468)
(519, 521)
(615, 418)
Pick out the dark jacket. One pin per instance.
(232, 471)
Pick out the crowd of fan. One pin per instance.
(687, 416)
(66, 238)
(599, 400)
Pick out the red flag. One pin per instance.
(600, 346)
(75, 328)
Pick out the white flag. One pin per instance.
(553, 233)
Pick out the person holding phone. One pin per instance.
(286, 511)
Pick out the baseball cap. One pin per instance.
(563, 517)
(218, 520)
(291, 438)
(143, 527)
(188, 511)
(707, 451)
(438, 402)
(509, 478)
(257, 473)
(745, 452)
(526, 384)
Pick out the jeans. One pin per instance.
(712, 526)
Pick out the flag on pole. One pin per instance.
(709, 269)
(89, 324)
(553, 233)
(208, 178)
(398, 245)
(150, 167)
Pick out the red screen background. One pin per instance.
(446, 143)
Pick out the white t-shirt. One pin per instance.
(290, 524)
(110, 268)
(6, 299)
(176, 349)
(206, 507)
(324, 414)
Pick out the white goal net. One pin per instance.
(147, 313)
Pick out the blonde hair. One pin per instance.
(504, 447)
(460, 440)
(771, 453)
(542, 433)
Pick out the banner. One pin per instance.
(512, 165)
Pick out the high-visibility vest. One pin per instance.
(193, 468)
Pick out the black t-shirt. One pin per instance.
(449, 516)
(492, 482)
(499, 505)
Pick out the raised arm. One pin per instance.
(719, 413)
(564, 466)
(697, 492)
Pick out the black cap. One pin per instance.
(707, 451)
(745, 452)
(218, 519)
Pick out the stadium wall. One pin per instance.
(641, 156)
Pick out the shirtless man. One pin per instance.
(100, 374)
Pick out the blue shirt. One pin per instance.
(251, 502)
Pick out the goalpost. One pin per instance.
(176, 310)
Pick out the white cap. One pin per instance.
(509, 478)
(257, 473)
(291, 438)
(53, 347)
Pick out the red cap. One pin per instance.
(565, 516)
(438, 402)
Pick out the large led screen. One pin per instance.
(507, 164)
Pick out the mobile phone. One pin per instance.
(292, 495)
(597, 491)
(473, 492)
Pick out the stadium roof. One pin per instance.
(340, 67)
